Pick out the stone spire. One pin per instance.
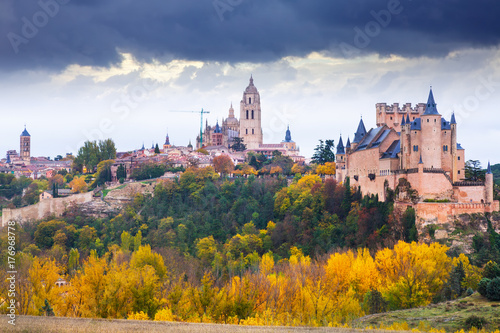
(231, 111)
(488, 170)
(348, 144)
(407, 119)
(420, 162)
(403, 121)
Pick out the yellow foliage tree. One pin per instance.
(78, 185)
(326, 169)
(412, 273)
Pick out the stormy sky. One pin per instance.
(76, 70)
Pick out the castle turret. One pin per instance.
(488, 185)
(340, 157)
(454, 156)
(431, 135)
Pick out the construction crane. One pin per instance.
(201, 122)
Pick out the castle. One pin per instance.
(414, 152)
(249, 128)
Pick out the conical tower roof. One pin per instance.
(340, 147)
(360, 133)
(430, 108)
(25, 132)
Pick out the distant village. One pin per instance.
(216, 140)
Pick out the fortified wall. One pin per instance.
(44, 208)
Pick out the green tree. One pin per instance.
(157, 149)
(324, 152)
(238, 144)
(121, 172)
(473, 171)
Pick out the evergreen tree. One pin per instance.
(324, 152)
(157, 149)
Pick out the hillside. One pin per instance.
(496, 173)
(250, 251)
(450, 315)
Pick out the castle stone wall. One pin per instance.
(441, 213)
(44, 208)
(467, 194)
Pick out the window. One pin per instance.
(427, 120)
(246, 131)
(252, 114)
(434, 120)
(247, 114)
(250, 100)
(252, 131)
(459, 158)
(391, 118)
(415, 148)
(458, 171)
(445, 148)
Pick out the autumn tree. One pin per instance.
(78, 185)
(412, 273)
(327, 168)
(223, 164)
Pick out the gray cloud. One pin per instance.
(94, 32)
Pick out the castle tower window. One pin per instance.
(459, 158)
(427, 120)
(247, 114)
(252, 114)
(252, 131)
(250, 100)
(247, 131)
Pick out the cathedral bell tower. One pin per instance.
(25, 146)
(250, 117)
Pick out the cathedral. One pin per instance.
(414, 152)
(249, 128)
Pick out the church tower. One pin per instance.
(250, 117)
(25, 148)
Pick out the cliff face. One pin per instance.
(459, 231)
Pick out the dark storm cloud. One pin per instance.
(55, 33)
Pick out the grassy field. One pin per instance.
(450, 315)
(80, 325)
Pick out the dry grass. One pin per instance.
(79, 325)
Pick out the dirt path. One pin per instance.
(80, 325)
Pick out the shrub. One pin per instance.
(469, 292)
(493, 290)
(475, 321)
(482, 286)
(374, 302)
(491, 270)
